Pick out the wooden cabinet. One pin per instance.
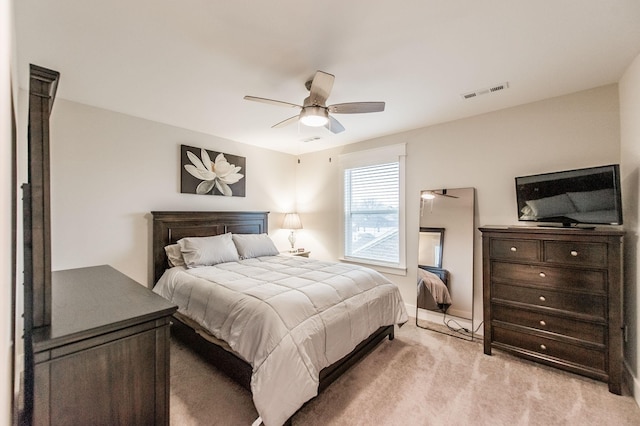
(104, 360)
(555, 296)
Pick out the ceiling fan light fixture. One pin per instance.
(428, 195)
(314, 116)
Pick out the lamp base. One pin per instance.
(292, 240)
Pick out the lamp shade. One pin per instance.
(291, 221)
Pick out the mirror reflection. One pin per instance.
(430, 246)
(445, 265)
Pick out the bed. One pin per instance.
(433, 290)
(232, 356)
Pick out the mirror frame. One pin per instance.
(441, 242)
(465, 332)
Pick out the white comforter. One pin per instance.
(289, 317)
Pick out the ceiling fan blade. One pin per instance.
(320, 89)
(356, 107)
(431, 194)
(334, 125)
(272, 102)
(286, 122)
(443, 192)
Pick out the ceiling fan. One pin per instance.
(431, 195)
(314, 112)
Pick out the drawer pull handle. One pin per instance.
(542, 274)
(543, 347)
(542, 323)
(514, 248)
(542, 299)
(574, 253)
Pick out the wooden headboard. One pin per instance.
(169, 227)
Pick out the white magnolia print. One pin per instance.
(220, 173)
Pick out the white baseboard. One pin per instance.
(437, 318)
(632, 382)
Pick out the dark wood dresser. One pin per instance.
(104, 360)
(555, 296)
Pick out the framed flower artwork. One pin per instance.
(208, 172)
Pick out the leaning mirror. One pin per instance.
(445, 265)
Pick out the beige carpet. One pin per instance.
(420, 378)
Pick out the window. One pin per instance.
(373, 206)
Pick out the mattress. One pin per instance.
(288, 317)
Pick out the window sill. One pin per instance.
(382, 268)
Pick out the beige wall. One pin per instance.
(109, 170)
(630, 169)
(485, 152)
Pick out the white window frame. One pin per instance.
(383, 155)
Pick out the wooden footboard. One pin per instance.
(240, 371)
(335, 370)
(227, 362)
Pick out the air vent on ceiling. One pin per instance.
(311, 139)
(486, 90)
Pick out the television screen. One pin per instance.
(581, 196)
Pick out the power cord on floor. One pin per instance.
(457, 331)
(459, 328)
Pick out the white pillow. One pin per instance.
(588, 201)
(254, 245)
(558, 205)
(207, 251)
(174, 255)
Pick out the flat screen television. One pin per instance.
(588, 196)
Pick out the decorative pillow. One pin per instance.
(207, 251)
(174, 255)
(558, 205)
(589, 201)
(254, 245)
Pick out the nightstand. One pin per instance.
(305, 253)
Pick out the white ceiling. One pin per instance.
(189, 63)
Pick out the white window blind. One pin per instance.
(372, 213)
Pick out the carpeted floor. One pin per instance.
(420, 378)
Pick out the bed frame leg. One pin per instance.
(392, 334)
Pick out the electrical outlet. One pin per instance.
(626, 334)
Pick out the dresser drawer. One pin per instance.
(562, 278)
(591, 358)
(583, 330)
(578, 303)
(514, 249)
(575, 253)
